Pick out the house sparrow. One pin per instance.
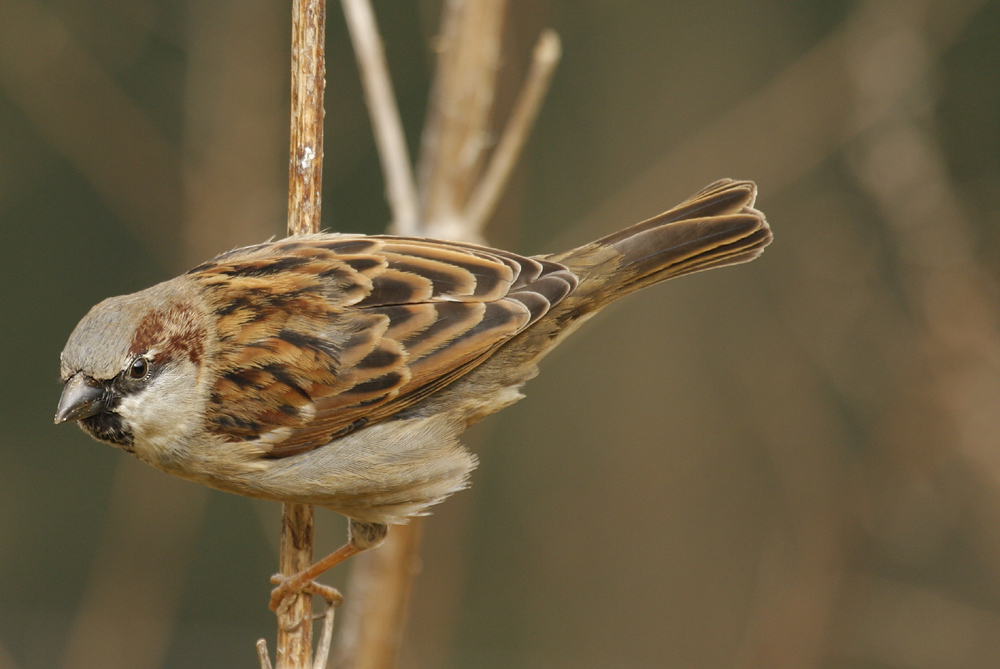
(340, 370)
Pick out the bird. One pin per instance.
(339, 370)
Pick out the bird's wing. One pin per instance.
(324, 334)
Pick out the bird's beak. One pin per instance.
(81, 397)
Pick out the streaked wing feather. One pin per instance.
(324, 334)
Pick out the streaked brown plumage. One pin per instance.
(409, 316)
(339, 370)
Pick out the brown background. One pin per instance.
(793, 463)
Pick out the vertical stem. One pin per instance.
(305, 174)
(295, 624)
(305, 169)
(457, 134)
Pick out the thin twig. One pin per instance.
(326, 636)
(489, 189)
(401, 190)
(262, 654)
(457, 132)
(305, 175)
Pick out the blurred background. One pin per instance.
(793, 463)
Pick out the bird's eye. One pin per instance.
(139, 368)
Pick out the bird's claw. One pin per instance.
(290, 586)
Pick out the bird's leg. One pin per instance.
(360, 537)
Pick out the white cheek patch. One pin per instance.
(166, 414)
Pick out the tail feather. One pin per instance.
(689, 246)
(722, 197)
(716, 227)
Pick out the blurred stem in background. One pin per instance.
(461, 177)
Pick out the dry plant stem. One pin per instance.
(322, 647)
(262, 656)
(401, 190)
(489, 189)
(305, 170)
(305, 174)
(457, 132)
(295, 618)
(326, 636)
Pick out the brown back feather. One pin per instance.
(323, 334)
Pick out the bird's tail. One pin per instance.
(717, 226)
